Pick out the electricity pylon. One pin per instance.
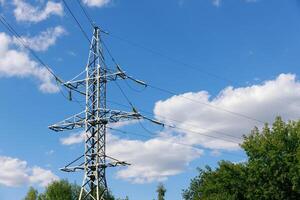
(94, 119)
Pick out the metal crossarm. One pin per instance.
(81, 166)
(75, 121)
(79, 85)
(109, 116)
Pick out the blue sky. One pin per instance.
(226, 61)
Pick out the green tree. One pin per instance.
(59, 190)
(161, 191)
(274, 161)
(32, 194)
(225, 183)
(271, 172)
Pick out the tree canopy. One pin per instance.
(32, 194)
(59, 190)
(161, 191)
(272, 170)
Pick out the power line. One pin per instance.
(165, 117)
(133, 89)
(186, 130)
(168, 125)
(172, 126)
(109, 53)
(179, 128)
(178, 143)
(81, 28)
(206, 104)
(155, 87)
(176, 127)
(196, 132)
(173, 93)
(126, 97)
(179, 62)
(58, 80)
(196, 101)
(193, 100)
(14, 33)
(5, 23)
(177, 121)
(33, 53)
(85, 13)
(77, 22)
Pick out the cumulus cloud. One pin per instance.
(96, 3)
(264, 102)
(45, 39)
(16, 63)
(171, 152)
(15, 172)
(152, 160)
(25, 12)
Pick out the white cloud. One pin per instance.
(215, 153)
(25, 12)
(16, 63)
(152, 160)
(167, 155)
(41, 176)
(96, 3)
(264, 102)
(217, 3)
(15, 172)
(45, 39)
(72, 139)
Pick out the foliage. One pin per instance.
(271, 172)
(32, 194)
(226, 182)
(161, 191)
(59, 190)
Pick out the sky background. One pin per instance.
(232, 65)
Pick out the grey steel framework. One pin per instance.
(94, 119)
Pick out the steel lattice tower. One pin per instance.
(94, 119)
(95, 141)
